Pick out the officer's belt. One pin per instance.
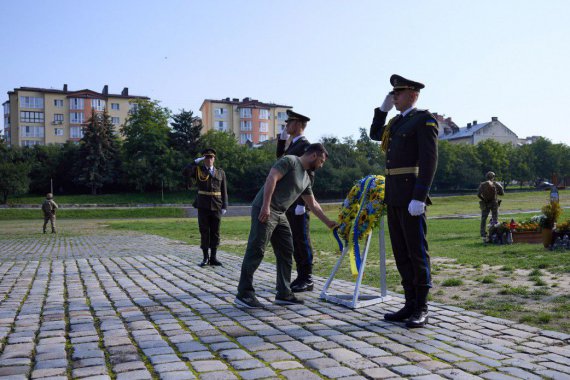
(405, 170)
(219, 193)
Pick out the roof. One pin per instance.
(465, 132)
(95, 93)
(245, 103)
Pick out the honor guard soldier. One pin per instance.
(409, 141)
(49, 208)
(293, 142)
(488, 201)
(211, 202)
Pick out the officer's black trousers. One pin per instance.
(303, 250)
(209, 224)
(409, 243)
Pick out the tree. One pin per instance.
(493, 156)
(185, 133)
(98, 153)
(149, 162)
(14, 172)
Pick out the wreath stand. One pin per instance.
(356, 300)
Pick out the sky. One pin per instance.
(331, 60)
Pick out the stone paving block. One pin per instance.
(342, 354)
(427, 377)
(496, 376)
(273, 355)
(519, 373)
(49, 372)
(129, 366)
(236, 354)
(177, 375)
(552, 374)
(246, 364)
(285, 365)
(14, 370)
(198, 355)
(135, 375)
(160, 359)
(410, 370)
(171, 366)
(217, 375)
(89, 371)
(259, 373)
(336, 372)
(208, 365)
(457, 374)
(299, 374)
(379, 373)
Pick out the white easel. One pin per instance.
(356, 300)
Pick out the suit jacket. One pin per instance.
(200, 175)
(297, 148)
(412, 142)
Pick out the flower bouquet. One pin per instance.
(359, 214)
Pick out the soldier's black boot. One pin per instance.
(213, 260)
(305, 283)
(420, 316)
(408, 309)
(205, 260)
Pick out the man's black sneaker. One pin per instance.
(289, 300)
(248, 302)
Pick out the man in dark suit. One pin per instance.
(410, 143)
(293, 142)
(211, 202)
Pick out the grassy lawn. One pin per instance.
(522, 282)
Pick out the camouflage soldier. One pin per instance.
(49, 208)
(211, 202)
(488, 193)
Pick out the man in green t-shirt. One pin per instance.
(287, 180)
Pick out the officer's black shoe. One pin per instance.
(303, 286)
(296, 281)
(418, 319)
(402, 314)
(213, 260)
(289, 300)
(205, 259)
(248, 302)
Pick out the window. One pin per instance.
(221, 113)
(58, 131)
(58, 118)
(98, 104)
(244, 137)
(76, 132)
(31, 142)
(31, 117)
(116, 120)
(58, 103)
(264, 114)
(7, 108)
(245, 112)
(222, 126)
(282, 115)
(76, 103)
(31, 102)
(263, 126)
(115, 106)
(76, 117)
(262, 138)
(6, 121)
(32, 131)
(133, 107)
(245, 125)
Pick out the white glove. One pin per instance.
(388, 103)
(416, 208)
(299, 210)
(284, 135)
(224, 211)
(198, 160)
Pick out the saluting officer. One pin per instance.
(293, 142)
(211, 202)
(410, 143)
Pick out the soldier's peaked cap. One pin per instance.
(292, 115)
(209, 151)
(401, 83)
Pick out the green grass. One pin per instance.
(489, 279)
(98, 213)
(452, 282)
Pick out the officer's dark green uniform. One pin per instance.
(49, 208)
(410, 144)
(300, 224)
(295, 182)
(489, 202)
(211, 199)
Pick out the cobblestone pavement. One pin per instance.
(128, 307)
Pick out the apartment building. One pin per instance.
(249, 119)
(43, 116)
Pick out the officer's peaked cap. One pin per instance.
(401, 83)
(209, 151)
(292, 115)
